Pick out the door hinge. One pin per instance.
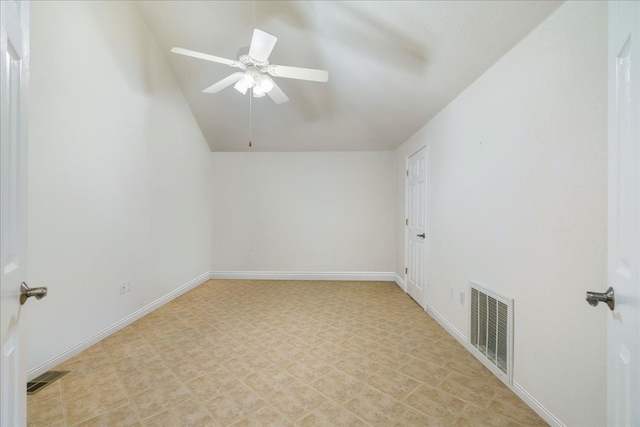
(406, 270)
(406, 221)
(407, 172)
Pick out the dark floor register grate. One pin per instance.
(44, 380)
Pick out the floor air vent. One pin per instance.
(491, 330)
(44, 380)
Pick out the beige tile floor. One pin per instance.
(280, 353)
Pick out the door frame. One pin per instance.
(623, 389)
(424, 146)
(14, 33)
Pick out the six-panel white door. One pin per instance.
(14, 63)
(623, 391)
(416, 225)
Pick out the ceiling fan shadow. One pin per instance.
(286, 12)
(310, 101)
(140, 69)
(362, 29)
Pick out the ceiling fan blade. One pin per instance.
(276, 94)
(299, 73)
(206, 57)
(261, 45)
(227, 81)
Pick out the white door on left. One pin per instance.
(14, 72)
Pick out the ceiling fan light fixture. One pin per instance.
(262, 86)
(247, 81)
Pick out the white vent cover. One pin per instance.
(491, 330)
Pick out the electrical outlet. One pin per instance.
(252, 255)
(462, 297)
(125, 286)
(351, 256)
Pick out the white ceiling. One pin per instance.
(392, 65)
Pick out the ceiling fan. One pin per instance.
(254, 63)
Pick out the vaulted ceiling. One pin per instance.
(392, 65)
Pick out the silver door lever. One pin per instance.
(609, 297)
(27, 292)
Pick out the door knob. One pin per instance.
(609, 297)
(421, 235)
(26, 292)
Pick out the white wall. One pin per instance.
(518, 203)
(304, 212)
(119, 174)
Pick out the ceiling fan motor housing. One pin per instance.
(247, 62)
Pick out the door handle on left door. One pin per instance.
(421, 235)
(609, 297)
(26, 292)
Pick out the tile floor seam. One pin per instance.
(95, 416)
(273, 407)
(426, 413)
(64, 404)
(444, 378)
(414, 388)
(341, 405)
(507, 416)
(110, 361)
(469, 403)
(164, 408)
(130, 403)
(195, 399)
(459, 415)
(375, 390)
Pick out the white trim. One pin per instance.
(448, 326)
(405, 214)
(305, 275)
(536, 406)
(462, 339)
(401, 282)
(44, 367)
(427, 230)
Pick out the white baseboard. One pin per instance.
(305, 275)
(536, 406)
(400, 282)
(44, 367)
(465, 343)
(448, 326)
(515, 387)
